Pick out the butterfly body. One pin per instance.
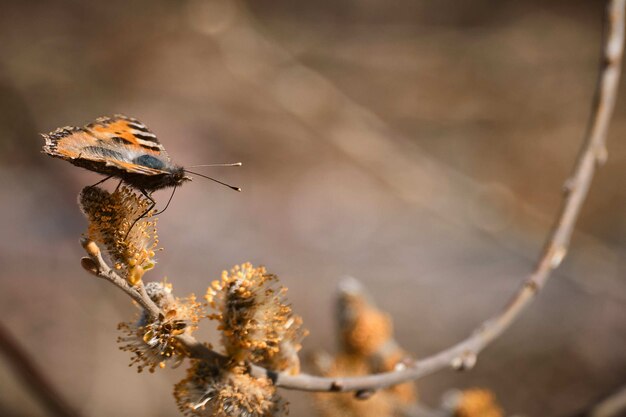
(119, 146)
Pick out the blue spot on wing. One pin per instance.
(150, 162)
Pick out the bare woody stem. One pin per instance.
(593, 152)
(96, 265)
(462, 355)
(32, 377)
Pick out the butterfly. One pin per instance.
(117, 146)
(122, 147)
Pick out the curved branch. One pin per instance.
(612, 406)
(31, 375)
(462, 355)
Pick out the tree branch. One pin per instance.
(612, 406)
(32, 377)
(463, 354)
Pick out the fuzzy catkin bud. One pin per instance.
(477, 402)
(154, 342)
(111, 216)
(214, 390)
(256, 322)
(367, 347)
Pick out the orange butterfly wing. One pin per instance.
(111, 142)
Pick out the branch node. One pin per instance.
(601, 154)
(402, 365)
(556, 256)
(336, 386)
(532, 286)
(89, 265)
(464, 362)
(364, 394)
(569, 185)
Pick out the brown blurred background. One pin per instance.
(419, 146)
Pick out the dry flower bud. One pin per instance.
(135, 274)
(89, 265)
(90, 247)
(216, 390)
(153, 342)
(367, 346)
(477, 402)
(363, 329)
(111, 217)
(255, 321)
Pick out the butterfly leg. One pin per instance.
(118, 185)
(152, 204)
(101, 181)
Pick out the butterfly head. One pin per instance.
(179, 176)
(176, 176)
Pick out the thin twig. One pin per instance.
(612, 406)
(96, 265)
(463, 354)
(32, 377)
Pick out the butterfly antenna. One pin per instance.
(234, 164)
(213, 179)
